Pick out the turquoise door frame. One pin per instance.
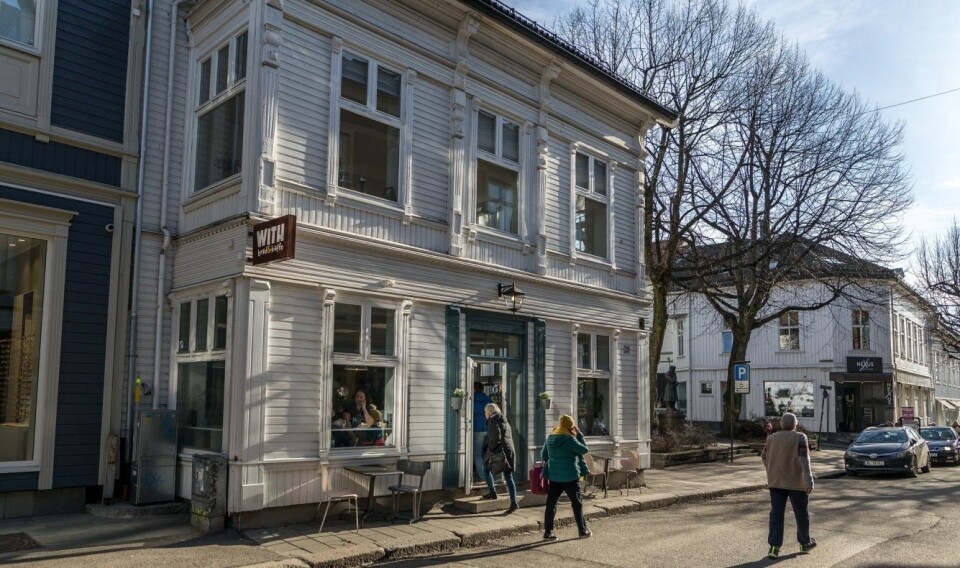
(509, 324)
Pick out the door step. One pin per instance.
(474, 504)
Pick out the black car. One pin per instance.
(943, 443)
(887, 450)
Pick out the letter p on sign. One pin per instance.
(741, 378)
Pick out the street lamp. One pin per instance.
(512, 296)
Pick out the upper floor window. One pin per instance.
(726, 339)
(903, 337)
(370, 127)
(590, 215)
(18, 21)
(201, 360)
(790, 331)
(498, 173)
(860, 322)
(680, 336)
(220, 114)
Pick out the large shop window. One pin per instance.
(22, 278)
(593, 384)
(370, 128)
(364, 376)
(784, 396)
(498, 173)
(18, 21)
(220, 115)
(590, 217)
(201, 371)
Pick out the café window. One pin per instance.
(201, 355)
(790, 331)
(364, 382)
(783, 396)
(593, 384)
(22, 280)
(860, 322)
(370, 127)
(220, 113)
(498, 173)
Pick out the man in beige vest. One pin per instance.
(787, 459)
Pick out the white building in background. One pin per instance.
(432, 153)
(875, 356)
(946, 376)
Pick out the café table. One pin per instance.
(372, 473)
(607, 459)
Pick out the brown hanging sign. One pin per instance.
(275, 239)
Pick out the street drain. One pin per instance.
(16, 542)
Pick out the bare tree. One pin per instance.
(824, 175)
(938, 269)
(690, 55)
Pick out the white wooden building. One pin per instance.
(874, 372)
(431, 152)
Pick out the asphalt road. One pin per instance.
(858, 522)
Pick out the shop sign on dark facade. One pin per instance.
(864, 365)
(275, 239)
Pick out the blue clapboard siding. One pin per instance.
(83, 344)
(90, 66)
(24, 150)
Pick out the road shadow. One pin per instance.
(479, 555)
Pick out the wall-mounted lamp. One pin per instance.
(512, 296)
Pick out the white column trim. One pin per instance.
(329, 296)
(615, 418)
(406, 146)
(612, 216)
(333, 122)
(574, 331)
(572, 193)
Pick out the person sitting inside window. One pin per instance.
(342, 437)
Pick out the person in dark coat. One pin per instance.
(499, 447)
(563, 454)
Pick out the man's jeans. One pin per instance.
(778, 505)
(479, 438)
(572, 489)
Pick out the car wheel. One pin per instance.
(926, 468)
(852, 473)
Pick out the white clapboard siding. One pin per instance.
(628, 379)
(558, 370)
(292, 411)
(557, 206)
(625, 223)
(147, 321)
(431, 151)
(489, 251)
(286, 486)
(426, 376)
(212, 206)
(156, 121)
(363, 220)
(219, 253)
(303, 105)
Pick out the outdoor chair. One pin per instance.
(595, 472)
(629, 470)
(340, 495)
(410, 470)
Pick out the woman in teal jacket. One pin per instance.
(563, 455)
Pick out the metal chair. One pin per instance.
(629, 471)
(412, 469)
(340, 495)
(595, 471)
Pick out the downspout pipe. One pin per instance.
(137, 230)
(164, 194)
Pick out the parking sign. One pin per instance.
(741, 378)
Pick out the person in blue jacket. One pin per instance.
(563, 454)
(480, 402)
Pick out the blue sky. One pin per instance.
(889, 51)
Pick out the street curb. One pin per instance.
(288, 563)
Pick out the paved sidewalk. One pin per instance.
(443, 530)
(84, 540)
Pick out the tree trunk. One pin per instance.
(738, 354)
(658, 330)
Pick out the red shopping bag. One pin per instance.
(538, 481)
